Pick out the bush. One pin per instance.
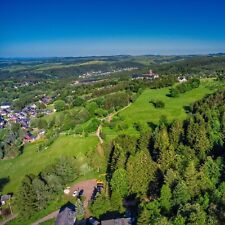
(158, 103)
(59, 105)
(184, 87)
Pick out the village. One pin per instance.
(9, 115)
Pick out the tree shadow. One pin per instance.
(3, 182)
(109, 215)
(187, 108)
(152, 125)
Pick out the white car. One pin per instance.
(76, 193)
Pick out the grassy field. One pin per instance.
(144, 111)
(32, 161)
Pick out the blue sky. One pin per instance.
(30, 28)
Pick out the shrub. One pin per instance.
(158, 103)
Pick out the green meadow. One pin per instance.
(32, 161)
(144, 111)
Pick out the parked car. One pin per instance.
(76, 193)
(93, 221)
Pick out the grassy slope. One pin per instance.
(143, 111)
(33, 162)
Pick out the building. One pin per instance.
(67, 215)
(4, 199)
(182, 79)
(119, 221)
(5, 105)
(149, 76)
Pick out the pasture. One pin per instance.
(144, 111)
(32, 161)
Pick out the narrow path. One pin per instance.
(109, 119)
(46, 218)
(98, 133)
(111, 115)
(8, 219)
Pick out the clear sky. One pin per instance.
(31, 28)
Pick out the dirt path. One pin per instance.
(111, 115)
(87, 186)
(98, 133)
(109, 119)
(7, 220)
(46, 218)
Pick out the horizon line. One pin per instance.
(113, 55)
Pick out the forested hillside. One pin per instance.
(174, 172)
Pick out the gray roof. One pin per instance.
(121, 221)
(66, 216)
(5, 197)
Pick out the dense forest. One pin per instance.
(173, 172)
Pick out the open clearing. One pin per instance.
(142, 110)
(32, 161)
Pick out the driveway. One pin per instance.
(87, 186)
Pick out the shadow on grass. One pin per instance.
(3, 182)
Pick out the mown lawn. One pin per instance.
(32, 161)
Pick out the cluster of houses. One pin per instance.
(26, 84)
(107, 73)
(23, 117)
(148, 76)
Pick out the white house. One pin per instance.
(5, 106)
(182, 79)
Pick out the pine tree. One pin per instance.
(140, 172)
(165, 198)
(144, 217)
(119, 182)
(175, 133)
(181, 194)
(161, 142)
